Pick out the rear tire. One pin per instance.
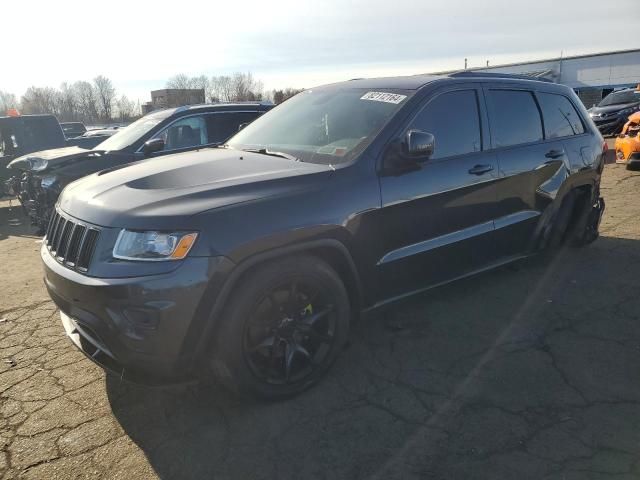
(282, 328)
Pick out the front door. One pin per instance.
(437, 219)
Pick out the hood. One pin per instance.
(46, 159)
(146, 193)
(599, 111)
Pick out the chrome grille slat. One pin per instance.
(52, 222)
(70, 242)
(56, 238)
(74, 244)
(64, 239)
(89, 244)
(54, 230)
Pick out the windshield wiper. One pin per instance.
(266, 151)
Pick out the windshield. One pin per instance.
(322, 126)
(129, 135)
(620, 98)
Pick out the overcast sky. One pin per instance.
(139, 44)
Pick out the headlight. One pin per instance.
(48, 181)
(153, 246)
(37, 164)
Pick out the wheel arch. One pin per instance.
(576, 195)
(330, 250)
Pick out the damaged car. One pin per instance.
(627, 146)
(42, 175)
(249, 262)
(23, 134)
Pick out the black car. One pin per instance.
(44, 174)
(73, 129)
(23, 134)
(249, 261)
(613, 111)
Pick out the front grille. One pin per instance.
(71, 243)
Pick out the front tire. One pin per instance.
(282, 329)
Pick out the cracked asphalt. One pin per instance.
(528, 372)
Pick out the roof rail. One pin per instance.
(477, 74)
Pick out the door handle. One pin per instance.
(480, 169)
(554, 154)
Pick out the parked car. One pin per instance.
(73, 129)
(250, 261)
(627, 144)
(44, 174)
(23, 134)
(611, 113)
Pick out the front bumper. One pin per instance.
(610, 126)
(144, 329)
(37, 201)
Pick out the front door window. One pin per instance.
(185, 133)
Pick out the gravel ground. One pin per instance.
(530, 372)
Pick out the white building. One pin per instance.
(591, 76)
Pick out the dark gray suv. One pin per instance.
(250, 260)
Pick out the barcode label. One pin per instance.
(383, 97)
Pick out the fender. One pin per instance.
(233, 279)
(569, 186)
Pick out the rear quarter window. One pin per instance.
(514, 117)
(560, 117)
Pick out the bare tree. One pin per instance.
(106, 95)
(245, 87)
(67, 105)
(202, 82)
(280, 96)
(184, 82)
(181, 81)
(7, 101)
(240, 87)
(221, 89)
(86, 101)
(39, 100)
(126, 109)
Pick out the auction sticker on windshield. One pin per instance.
(383, 97)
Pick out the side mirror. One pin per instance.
(152, 146)
(419, 144)
(242, 125)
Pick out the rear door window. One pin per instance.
(514, 117)
(223, 125)
(453, 119)
(560, 117)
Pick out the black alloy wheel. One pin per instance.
(290, 333)
(282, 328)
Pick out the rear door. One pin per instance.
(562, 122)
(222, 126)
(437, 219)
(526, 160)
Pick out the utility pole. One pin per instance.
(465, 63)
(560, 67)
(487, 63)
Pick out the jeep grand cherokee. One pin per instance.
(249, 261)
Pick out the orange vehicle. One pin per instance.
(628, 142)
